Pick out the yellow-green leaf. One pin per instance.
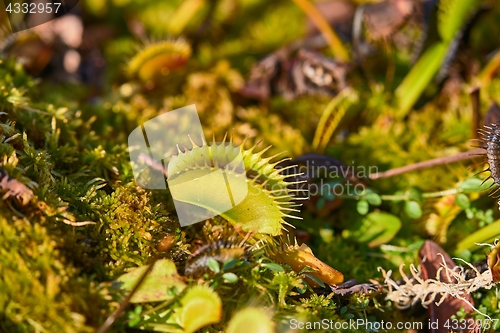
(155, 286)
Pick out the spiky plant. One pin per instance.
(268, 197)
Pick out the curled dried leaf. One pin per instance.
(301, 257)
(494, 262)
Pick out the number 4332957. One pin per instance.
(33, 8)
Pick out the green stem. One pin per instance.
(335, 43)
(403, 197)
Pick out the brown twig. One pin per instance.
(430, 163)
(30, 109)
(476, 110)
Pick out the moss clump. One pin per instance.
(76, 225)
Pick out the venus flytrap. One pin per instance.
(269, 200)
(157, 59)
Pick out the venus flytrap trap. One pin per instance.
(251, 320)
(206, 180)
(156, 60)
(269, 199)
(200, 306)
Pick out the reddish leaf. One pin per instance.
(439, 315)
(494, 262)
(492, 116)
(382, 19)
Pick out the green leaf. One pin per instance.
(452, 15)
(135, 316)
(273, 267)
(229, 264)
(303, 289)
(415, 194)
(419, 77)
(213, 265)
(155, 286)
(315, 279)
(484, 235)
(307, 269)
(375, 228)
(474, 185)
(373, 199)
(462, 201)
(230, 277)
(413, 209)
(363, 207)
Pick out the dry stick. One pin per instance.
(476, 110)
(111, 319)
(30, 109)
(430, 163)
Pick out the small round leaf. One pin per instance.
(213, 265)
(230, 277)
(273, 267)
(363, 207)
(373, 199)
(413, 209)
(462, 201)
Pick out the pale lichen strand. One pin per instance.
(269, 200)
(416, 289)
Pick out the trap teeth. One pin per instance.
(260, 202)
